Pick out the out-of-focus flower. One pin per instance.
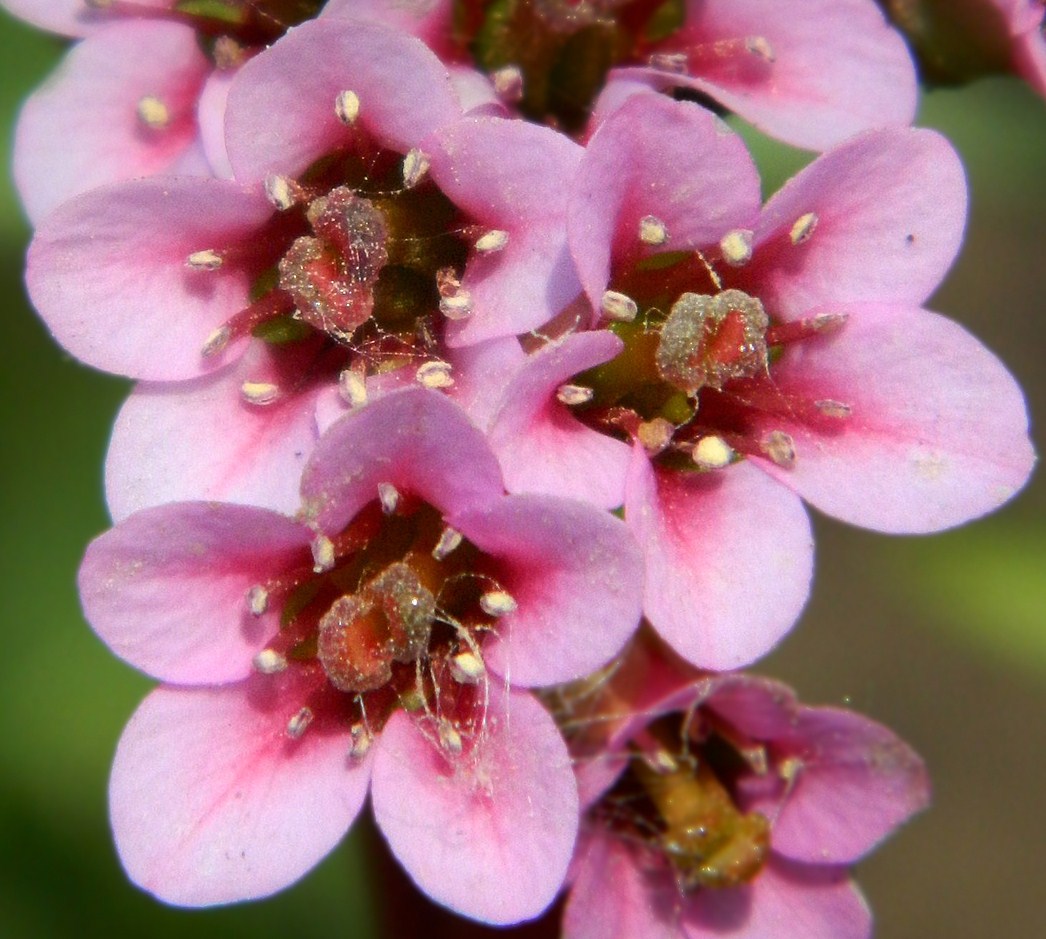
(810, 74)
(959, 40)
(721, 806)
(788, 340)
(368, 218)
(378, 641)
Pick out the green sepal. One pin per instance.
(282, 330)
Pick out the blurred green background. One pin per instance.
(942, 638)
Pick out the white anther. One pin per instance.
(655, 435)
(449, 737)
(389, 497)
(780, 447)
(153, 113)
(457, 306)
(661, 761)
(676, 63)
(352, 386)
(207, 260)
(257, 600)
(803, 228)
(508, 83)
(269, 662)
(449, 540)
(830, 408)
(435, 375)
(228, 53)
(712, 453)
(573, 394)
(824, 322)
(298, 724)
(652, 231)
(619, 307)
(447, 282)
(279, 190)
(736, 247)
(467, 668)
(260, 392)
(493, 241)
(361, 741)
(216, 341)
(497, 603)
(789, 768)
(415, 166)
(322, 554)
(760, 46)
(347, 107)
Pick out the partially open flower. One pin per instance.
(381, 640)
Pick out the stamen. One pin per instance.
(571, 395)
(492, 242)
(269, 662)
(298, 724)
(760, 46)
(449, 540)
(435, 375)
(260, 392)
(712, 453)
(618, 307)
(780, 447)
(322, 554)
(352, 386)
(508, 83)
(497, 603)
(415, 166)
(449, 737)
(467, 668)
(797, 330)
(282, 191)
(736, 247)
(655, 435)
(216, 341)
(257, 600)
(803, 228)
(456, 306)
(652, 231)
(228, 54)
(347, 107)
(207, 260)
(153, 113)
(830, 408)
(389, 497)
(675, 63)
(361, 741)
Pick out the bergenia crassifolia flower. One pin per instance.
(811, 74)
(368, 218)
(721, 806)
(381, 640)
(141, 93)
(788, 340)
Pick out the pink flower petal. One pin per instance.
(210, 114)
(166, 589)
(729, 559)
(211, 802)
(785, 901)
(510, 176)
(576, 576)
(281, 115)
(431, 22)
(69, 17)
(838, 67)
(481, 374)
(881, 235)
(415, 439)
(937, 435)
(202, 440)
(642, 161)
(857, 781)
(82, 128)
(541, 445)
(488, 833)
(107, 272)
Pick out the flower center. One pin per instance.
(390, 614)
(677, 800)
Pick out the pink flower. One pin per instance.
(358, 268)
(812, 75)
(721, 806)
(383, 646)
(758, 356)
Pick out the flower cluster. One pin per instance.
(479, 393)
